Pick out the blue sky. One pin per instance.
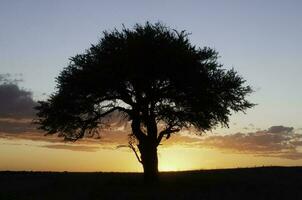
(260, 39)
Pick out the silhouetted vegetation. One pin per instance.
(155, 78)
(251, 183)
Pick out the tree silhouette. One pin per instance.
(153, 76)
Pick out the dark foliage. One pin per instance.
(154, 77)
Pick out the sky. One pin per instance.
(259, 39)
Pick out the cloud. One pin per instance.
(276, 141)
(16, 108)
(86, 148)
(109, 139)
(9, 78)
(14, 101)
(57, 145)
(16, 126)
(280, 129)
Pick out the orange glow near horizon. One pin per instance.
(31, 156)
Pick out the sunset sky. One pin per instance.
(259, 39)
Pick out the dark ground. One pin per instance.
(249, 183)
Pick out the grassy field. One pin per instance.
(247, 183)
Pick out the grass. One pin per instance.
(242, 183)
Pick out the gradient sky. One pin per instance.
(260, 39)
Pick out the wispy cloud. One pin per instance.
(276, 141)
(86, 148)
(14, 126)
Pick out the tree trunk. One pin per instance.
(149, 160)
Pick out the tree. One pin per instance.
(155, 78)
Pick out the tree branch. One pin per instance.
(113, 109)
(166, 132)
(85, 123)
(135, 152)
